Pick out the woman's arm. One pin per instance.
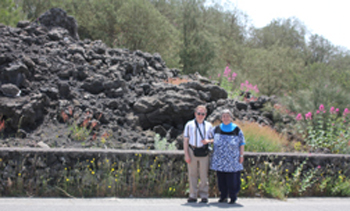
(241, 154)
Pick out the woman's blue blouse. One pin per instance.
(226, 153)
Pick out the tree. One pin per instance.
(196, 52)
(10, 12)
(275, 70)
(142, 26)
(282, 32)
(321, 50)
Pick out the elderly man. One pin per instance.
(196, 132)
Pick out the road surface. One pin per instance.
(174, 204)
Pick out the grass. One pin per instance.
(262, 138)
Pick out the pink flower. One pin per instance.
(308, 115)
(227, 71)
(346, 111)
(234, 75)
(317, 112)
(219, 75)
(337, 110)
(299, 117)
(321, 108)
(318, 166)
(332, 110)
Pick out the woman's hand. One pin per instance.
(241, 159)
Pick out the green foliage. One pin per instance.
(326, 130)
(34, 8)
(142, 26)
(324, 92)
(276, 69)
(162, 144)
(10, 12)
(79, 133)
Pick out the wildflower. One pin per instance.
(2, 125)
(299, 117)
(227, 71)
(332, 110)
(19, 174)
(346, 111)
(234, 75)
(138, 170)
(318, 166)
(317, 112)
(321, 108)
(308, 115)
(116, 180)
(287, 170)
(67, 180)
(109, 186)
(92, 172)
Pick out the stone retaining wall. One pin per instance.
(44, 167)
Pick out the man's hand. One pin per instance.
(187, 158)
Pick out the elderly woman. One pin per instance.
(227, 158)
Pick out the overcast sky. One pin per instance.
(329, 18)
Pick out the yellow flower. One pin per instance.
(138, 170)
(0, 159)
(19, 174)
(109, 186)
(65, 169)
(158, 165)
(140, 155)
(116, 180)
(287, 170)
(92, 172)
(107, 161)
(67, 180)
(92, 161)
(112, 169)
(170, 189)
(257, 168)
(151, 166)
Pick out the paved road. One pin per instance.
(151, 204)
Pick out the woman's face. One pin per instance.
(226, 119)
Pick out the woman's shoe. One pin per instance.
(222, 200)
(232, 201)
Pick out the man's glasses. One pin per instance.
(200, 114)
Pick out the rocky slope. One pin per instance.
(59, 91)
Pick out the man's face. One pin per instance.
(200, 115)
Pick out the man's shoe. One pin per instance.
(223, 200)
(191, 200)
(204, 200)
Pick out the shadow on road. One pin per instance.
(212, 204)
